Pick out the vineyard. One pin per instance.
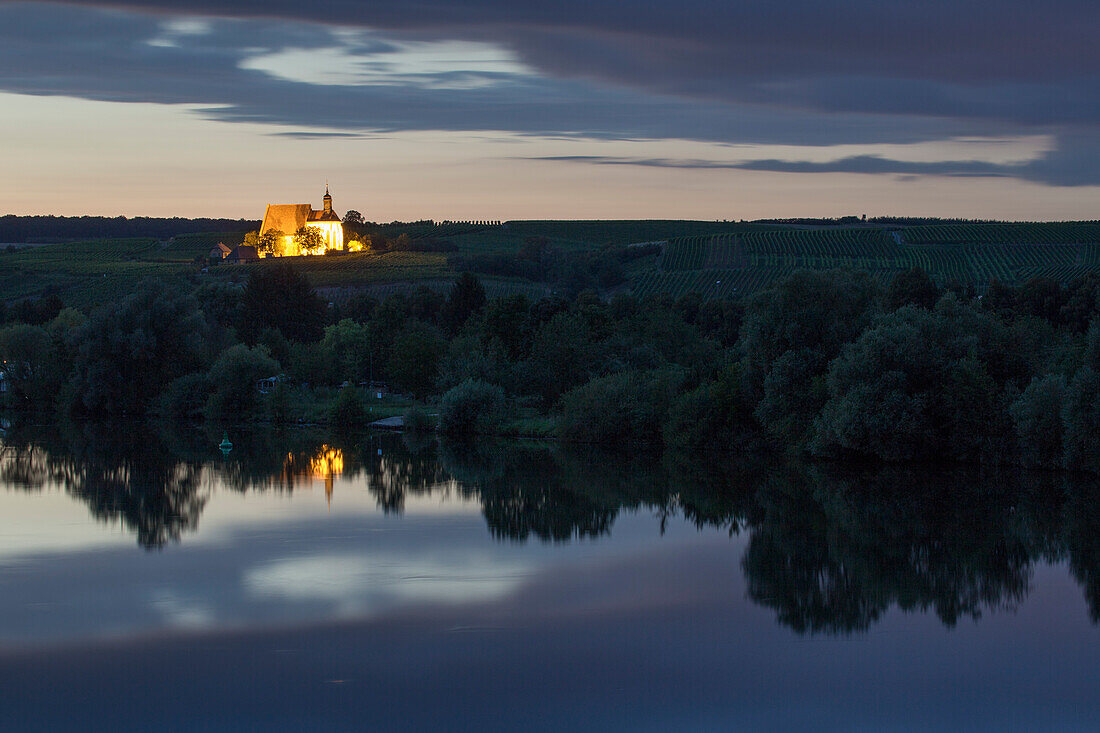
(976, 254)
(359, 269)
(1082, 232)
(79, 257)
(186, 247)
(494, 288)
(599, 233)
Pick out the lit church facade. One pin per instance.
(289, 218)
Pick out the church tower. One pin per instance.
(328, 201)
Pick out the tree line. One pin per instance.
(62, 228)
(832, 364)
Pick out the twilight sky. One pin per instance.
(572, 109)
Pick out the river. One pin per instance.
(375, 582)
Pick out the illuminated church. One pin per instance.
(289, 218)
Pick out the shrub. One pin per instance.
(471, 407)
(418, 421)
(348, 410)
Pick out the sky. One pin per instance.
(511, 109)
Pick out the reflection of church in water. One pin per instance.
(325, 465)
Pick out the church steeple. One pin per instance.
(328, 201)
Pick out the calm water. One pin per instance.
(369, 583)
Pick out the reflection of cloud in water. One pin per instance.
(182, 613)
(360, 585)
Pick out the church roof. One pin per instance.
(287, 218)
(329, 215)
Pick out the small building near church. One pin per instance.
(220, 252)
(289, 218)
(243, 253)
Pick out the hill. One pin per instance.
(537, 258)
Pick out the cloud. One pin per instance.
(59, 50)
(308, 135)
(873, 164)
(818, 52)
(797, 72)
(1052, 168)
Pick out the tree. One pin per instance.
(308, 240)
(1000, 299)
(1081, 418)
(270, 241)
(414, 361)
(467, 297)
(798, 326)
(1037, 418)
(30, 364)
(353, 217)
(563, 354)
(1082, 302)
(233, 380)
(1041, 297)
(350, 344)
(252, 239)
(128, 351)
(504, 321)
(912, 287)
(278, 296)
(913, 387)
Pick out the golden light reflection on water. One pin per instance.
(328, 463)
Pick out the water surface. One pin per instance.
(372, 582)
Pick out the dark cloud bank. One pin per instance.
(794, 72)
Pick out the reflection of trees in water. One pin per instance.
(121, 474)
(1083, 542)
(553, 493)
(404, 468)
(25, 467)
(829, 550)
(834, 552)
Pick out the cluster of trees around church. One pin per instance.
(306, 239)
(832, 364)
